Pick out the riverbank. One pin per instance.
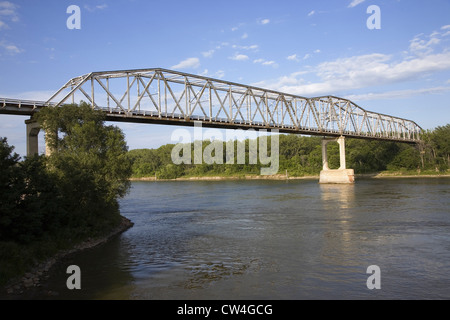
(400, 175)
(34, 277)
(224, 178)
(378, 175)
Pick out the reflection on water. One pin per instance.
(335, 199)
(271, 240)
(340, 196)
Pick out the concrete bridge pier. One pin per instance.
(341, 175)
(33, 129)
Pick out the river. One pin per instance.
(278, 240)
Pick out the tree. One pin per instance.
(408, 159)
(29, 199)
(90, 162)
(441, 142)
(11, 186)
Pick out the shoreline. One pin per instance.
(224, 178)
(380, 175)
(33, 278)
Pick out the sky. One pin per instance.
(303, 47)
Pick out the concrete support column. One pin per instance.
(33, 129)
(325, 154)
(341, 175)
(341, 141)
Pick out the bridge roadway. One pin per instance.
(169, 97)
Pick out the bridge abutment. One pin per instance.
(341, 175)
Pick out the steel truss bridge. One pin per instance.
(164, 96)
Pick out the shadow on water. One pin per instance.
(101, 270)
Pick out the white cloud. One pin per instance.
(311, 13)
(269, 63)
(266, 62)
(370, 70)
(398, 94)
(265, 21)
(95, 8)
(425, 44)
(187, 64)
(208, 54)
(252, 47)
(360, 72)
(223, 44)
(29, 95)
(244, 36)
(354, 3)
(10, 48)
(421, 46)
(447, 27)
(293, 57)
(2, 25)
(239, 57)
(9, 11)
(220, 74)
(237, 27)
(6, 5)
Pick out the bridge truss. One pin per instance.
(170, 97)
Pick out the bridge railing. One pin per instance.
(18, 103)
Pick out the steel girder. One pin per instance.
(171, 97)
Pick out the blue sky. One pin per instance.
(309, 48)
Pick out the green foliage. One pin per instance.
(370, 156)
(440, 143)
(12, 185)
(406, 159)
(91, 164)
(68, 196)
(435, 149)
(300, 156)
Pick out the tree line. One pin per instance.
(302, 155)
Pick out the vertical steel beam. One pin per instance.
(92, 92)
